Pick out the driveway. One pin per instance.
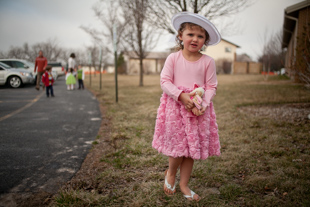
(43, 141)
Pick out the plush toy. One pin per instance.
(197, 98)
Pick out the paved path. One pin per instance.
(43, 141)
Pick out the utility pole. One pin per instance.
(100, 59)
(89, 62)
(115, 61)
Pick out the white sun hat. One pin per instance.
(182, 17)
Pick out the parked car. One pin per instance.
(57, 67)
(24, 64)
(14, 77)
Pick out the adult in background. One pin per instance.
(71, 62)
(39, 67)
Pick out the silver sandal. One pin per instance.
(168, 186)
(191, 196)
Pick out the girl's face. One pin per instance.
(193, 38)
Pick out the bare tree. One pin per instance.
(138, 36)
(94, 53)
(2, 55)
(109, 14)
(130, 17)
(163, 10)
(50, 49)
(16, 52)
(19, 52)
(272, 56)
(243, 58)
(95, 58)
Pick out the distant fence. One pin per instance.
(247, 68)
(93, 72)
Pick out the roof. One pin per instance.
(296, 7)
(150, 55)
(290, 18)
(161, 55)
(230, 43)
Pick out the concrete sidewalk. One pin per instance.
(44, 145)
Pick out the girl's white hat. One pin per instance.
(182, 17)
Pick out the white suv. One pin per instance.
(57, 67)
(24, 64)
(14, 77)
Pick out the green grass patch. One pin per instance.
(264, 162)
(230, 192)
(95, 142)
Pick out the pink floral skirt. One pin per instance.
(179, 134)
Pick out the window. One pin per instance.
(6, 66)
(228, 49)
(18, 64)
(55, 64)
(8, 63)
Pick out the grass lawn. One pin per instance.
(264, 132)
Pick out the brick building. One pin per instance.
(224, 55)
(152, 63)
(295, 30)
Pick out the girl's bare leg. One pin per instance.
(174, 164)
(185, 174)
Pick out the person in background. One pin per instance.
(48, 80)
(71, 62)
(80, 75)
(39, 67)
(70, 80)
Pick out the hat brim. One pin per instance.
(183, 17)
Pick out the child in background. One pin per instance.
(80, 74)
(48, 80)
(70, 80)
(183, 132)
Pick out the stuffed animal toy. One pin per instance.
(197, 98)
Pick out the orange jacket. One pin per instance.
(41, 63)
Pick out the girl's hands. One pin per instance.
(203, 110)
(185, 98)
(193, 93)
(198, 112)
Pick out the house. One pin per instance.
(152, 64)
(243, 58)
(296, 25)
(224, 55)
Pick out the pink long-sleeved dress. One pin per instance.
(179, 133)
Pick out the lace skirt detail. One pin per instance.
(179, 134)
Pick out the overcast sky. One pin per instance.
(35, 21)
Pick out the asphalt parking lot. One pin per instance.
(43, 141)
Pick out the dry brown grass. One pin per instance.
(264, 161)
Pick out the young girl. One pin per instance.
(70, 80)
(183, 132)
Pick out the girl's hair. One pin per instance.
(72, 55)
(71, 70)
(185, 25)
(48, 67)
